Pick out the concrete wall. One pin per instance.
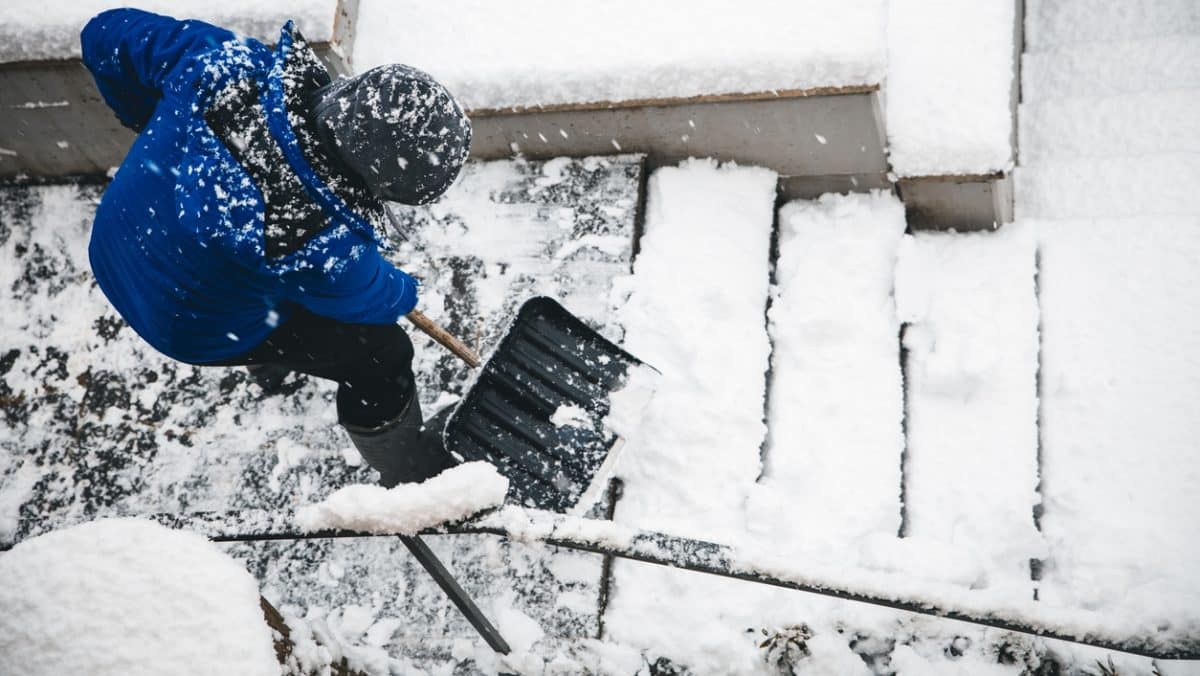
(53, 124)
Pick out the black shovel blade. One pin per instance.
(537, 409)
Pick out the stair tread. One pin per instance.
(1050, 23)
(1110, 68)
(1125, 124)
(1143, 185)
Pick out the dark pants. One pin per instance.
(372, 363)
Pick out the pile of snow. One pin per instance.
(949, 83)
(409, 508)
(31, 30)
(127, 597)
(543, 52)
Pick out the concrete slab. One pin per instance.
(959, 203)
(816, 132)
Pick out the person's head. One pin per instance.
(397, 128)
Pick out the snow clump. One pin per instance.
(129, 597)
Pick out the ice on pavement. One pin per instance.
(408, 508)
(127, 597)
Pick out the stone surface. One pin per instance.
(95, 422)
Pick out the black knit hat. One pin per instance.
(397, 128)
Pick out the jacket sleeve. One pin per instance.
(130, 52)
(365, 290)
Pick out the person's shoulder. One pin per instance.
(211, 70)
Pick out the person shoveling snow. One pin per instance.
(239, 228)
(239, 231)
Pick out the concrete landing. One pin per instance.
(96, 423)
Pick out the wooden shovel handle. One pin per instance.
(442, 336)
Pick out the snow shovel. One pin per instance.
(537, 409)
(536, 412)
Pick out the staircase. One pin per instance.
(1109, 159)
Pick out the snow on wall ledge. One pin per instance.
(950, 71)
(129, 597)
(32, 30)
(542, 52)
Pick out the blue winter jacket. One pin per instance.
(178, 243)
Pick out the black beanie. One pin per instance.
(397, 128)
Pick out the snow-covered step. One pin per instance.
(1120, 377)
(1148, 185)
(836, 404)
(699, 291)
(1051, 23)
(1128, 124)
(971, 341)
(1110, 68)
(949, 87)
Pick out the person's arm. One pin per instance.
(366, 290)
(130, 52)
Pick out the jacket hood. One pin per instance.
(397, 128)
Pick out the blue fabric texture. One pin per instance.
(178, 243)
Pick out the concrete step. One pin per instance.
(835, 400)
(1053, 23)
(1156, 184)
(1127, 124)
(1111, 68)
(968, 303)
(1118, 300)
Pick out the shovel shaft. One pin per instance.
(461, 599)
(445, 338)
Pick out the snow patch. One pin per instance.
(128, 597)
(570, 415)
(31, 30)
(950, 75)
(407, 509)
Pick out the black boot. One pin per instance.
(400, 449)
